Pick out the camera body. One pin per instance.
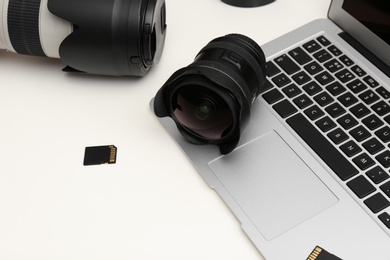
(105, 37)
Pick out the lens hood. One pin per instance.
(112, 37)
(221, 85)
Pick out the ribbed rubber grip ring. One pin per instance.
(23, 26)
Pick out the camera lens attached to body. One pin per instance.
(210, 99)
(106, 37)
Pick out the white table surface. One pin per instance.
(151, 204)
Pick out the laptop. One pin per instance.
(310, 175)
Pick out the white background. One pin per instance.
(151, 204)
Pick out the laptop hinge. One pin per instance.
(366, 53)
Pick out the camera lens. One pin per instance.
(202, 111)
(106, 37)
(210, 99)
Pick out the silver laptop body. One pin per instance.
(293, 189)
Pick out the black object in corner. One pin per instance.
(247, 3)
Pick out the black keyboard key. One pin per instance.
(303, 101)
(347, 121)
(384, 134)
(347, 99)
(273, 96)
(358, 71)
(313, 68)
(371, 82)
(336, 88)
(312, 88)
(384, 159)
(346, 60)
(314, 112)
(323, 41)
(360, 133)
(300, 56)
(338, 136)
(312, 46)
(385, 218)
(381, 108)
(387, 119)
(345, 75)
(377, 175)
(373, 146)
(372, 122)
(267, 86)
(325, 124)
(333, 65)
(287, 64)
(322, 56)
(383, 92)
(285, 108)
(356, 86)
(301, 78)
(272, 70)
(324, 149)
(292, 90)
(335, 51)
(324, 78)
(363, 161)
(386, 188)
(369, 97)
(335, 110)
(323, 99)
(281, 80)
(361, 186)
(350, 148)
(360, 110)
(377, 203)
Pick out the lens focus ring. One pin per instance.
(23, 26)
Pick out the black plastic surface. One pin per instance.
(247, 3)
(112, 37)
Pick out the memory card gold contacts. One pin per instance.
(321, 254)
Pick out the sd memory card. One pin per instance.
(321, 254)
(95, 155)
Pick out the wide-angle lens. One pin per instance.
(202, 111)
(210, 99)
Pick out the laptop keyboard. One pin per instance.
(341, 112)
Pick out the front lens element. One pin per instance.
(202, 111)
(204, 108)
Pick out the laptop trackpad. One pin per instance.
(272, 185)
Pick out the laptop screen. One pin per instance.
(368, 21)
(374, 14)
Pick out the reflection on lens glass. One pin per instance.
(202, 111)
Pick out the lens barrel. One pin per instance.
(105, 37)
(114, 37)
(210, 99)
(23, 26)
